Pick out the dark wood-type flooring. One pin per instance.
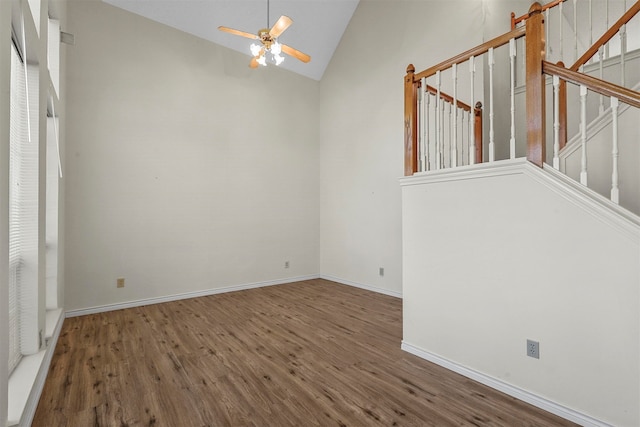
(311, 353)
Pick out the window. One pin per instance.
(24, 337)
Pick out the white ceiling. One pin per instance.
(317, 27)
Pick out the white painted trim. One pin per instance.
(511, 390)
(31, 404)
(480, 170)
(186, 295)
(362, 286)
(600, 207)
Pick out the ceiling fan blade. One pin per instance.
(238, 32)
(279, 27)
(254, 61)
(296, 53)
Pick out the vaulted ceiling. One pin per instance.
(317, 27)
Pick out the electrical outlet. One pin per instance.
(120, 282)
(286, 264)
(381, 271)
(533, 349)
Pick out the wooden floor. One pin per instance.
(312, 353)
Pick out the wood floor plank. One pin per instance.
(311, 353)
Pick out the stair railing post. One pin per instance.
(410, 122)
(535, 86)
(477, 131)
(563, 110)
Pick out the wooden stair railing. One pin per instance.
(586, 82)
(477, 117)
(534, 29)
(411, 152)
(515, 21)
(607, 36)
(586, 57)
(603, 87)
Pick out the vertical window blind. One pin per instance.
(17, 119)
(23, 220)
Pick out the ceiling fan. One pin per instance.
(269, 42)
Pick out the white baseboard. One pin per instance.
(518, 393)
(186, 295)
(361, 286)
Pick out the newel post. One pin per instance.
(535, 87)
(477, 131)
(410, 123)
(563, 110)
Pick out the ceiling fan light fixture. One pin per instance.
(255, 49)
(268, 39)
(276, 48)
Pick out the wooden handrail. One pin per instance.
(478, 50)
(628, 15)
(603, 87)
(515, 21)
(448, 98)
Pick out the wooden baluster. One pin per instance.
(454, 142)
(535, 87)
(583, 133)
(410, 123)
(556, 122)
(491, 112)
(472, 139)
(477, 132)
(615, 192)
(512, 57)
(439, 164)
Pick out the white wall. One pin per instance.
(493, 261)
(361, 130)
(186, 170)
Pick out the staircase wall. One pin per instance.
(496, 254)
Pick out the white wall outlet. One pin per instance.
(533, 349)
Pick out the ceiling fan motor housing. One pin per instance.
(266, 38)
